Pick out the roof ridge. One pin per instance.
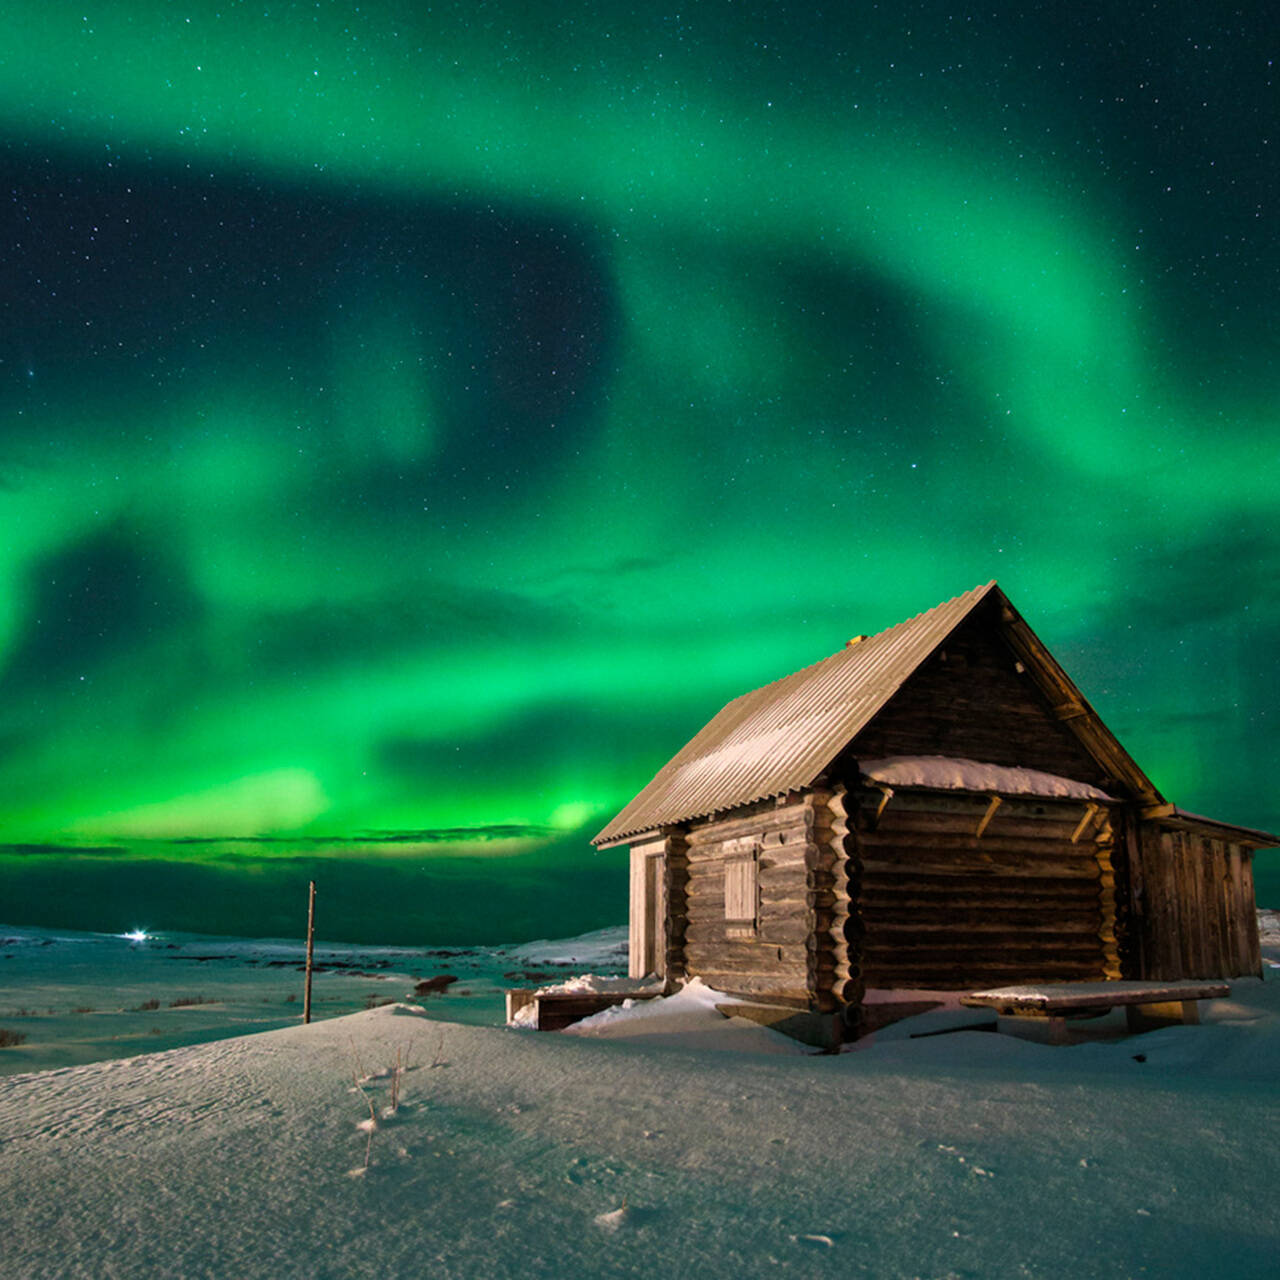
(983, 588)
(744, 753)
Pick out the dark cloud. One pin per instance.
(455, 835)
(306, 845)
(1220, 573)
(415, 617)
(160, 279)
(108, 595)
(1210, 720)
(61, 850)
(15, 743)
(543, 742)
(605, 571)
(562, 887)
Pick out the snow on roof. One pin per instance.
(957, 774)
(781, 736)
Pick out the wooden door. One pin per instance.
(648, 933)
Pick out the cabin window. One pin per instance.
(741, 894)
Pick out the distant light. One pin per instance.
(136, 935)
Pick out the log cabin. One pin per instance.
(936, 807)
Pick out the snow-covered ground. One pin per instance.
(71, 997)
(669, 1143)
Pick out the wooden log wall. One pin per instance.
(776, 962)
(677, 906)
(943, 907)
(842, 941)
(1199, 919)
(1112, 895)
(970, 700)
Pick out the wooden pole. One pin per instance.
(311, 942)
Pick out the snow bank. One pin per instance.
(1269, 928)
(955, 773)
(688, 1019)
(586, 983)
(605, 948)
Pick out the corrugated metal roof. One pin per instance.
(782, 736)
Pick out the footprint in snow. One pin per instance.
(815, 1241)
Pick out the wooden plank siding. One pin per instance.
(1199, 919)
(1254, 965)
(646, 943)
(944, 908)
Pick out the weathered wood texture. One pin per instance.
(970, 700)
(1109, 890)
(1131, 898)
(1249, 923)
(1051, 998)
(676, 886)
(1048, 892)
(553, 1011)
(1196, 917)
(822, 1031)
(833, 826)
(776, 959)
(646, 943)
(944, 908)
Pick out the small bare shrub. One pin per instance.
(83, 1008)
(147, 1006)
(10, 1039)
(393, 1075)
(437, 1057)
(185, 1002)
(402, 1065)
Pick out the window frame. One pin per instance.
(742, 889)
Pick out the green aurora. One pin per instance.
(417, 421)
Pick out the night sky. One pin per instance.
(417, 421)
